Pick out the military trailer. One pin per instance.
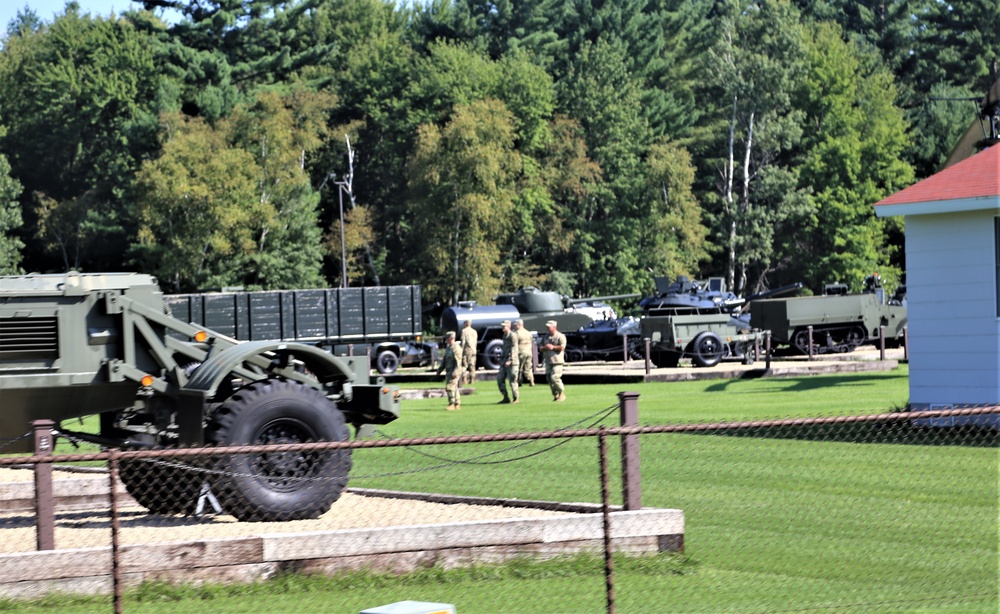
(532, 305)
(384, 321)
(76, 345)
(706, 339)
(701, 320)
(840, 321)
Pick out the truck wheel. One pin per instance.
(706, 349)
(160, 486)
(386, 362)
(664, 359)
(283, 485)
(492, 354)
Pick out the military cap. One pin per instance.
(449, 335)
(552, 323)
(505, 323)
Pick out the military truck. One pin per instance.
(384, 321)
(77, 345)
(840, 321)
(532, 305)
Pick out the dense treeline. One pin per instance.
(475, 147)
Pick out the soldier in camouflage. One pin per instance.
(470, 341)
(524, 340)
(508, 364)
(452, 371)
(552, 347)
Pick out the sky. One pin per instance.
(47, 9)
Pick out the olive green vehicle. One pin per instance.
(76, 345)
(840, 321)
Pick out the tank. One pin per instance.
(532, 305)
(686, 297)
(840, 321)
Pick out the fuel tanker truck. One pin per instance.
(532, 305)
(105, 344)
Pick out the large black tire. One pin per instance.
(160, 486)
(386, 362)
(492, 354)
(286, 485)
(707, 349)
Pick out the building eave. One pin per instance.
(979, 203)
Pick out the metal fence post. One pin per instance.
(45, 516)
(648, 365)
(609, 575)
(767, 350)
(624, 349)
(809, 329)
(628, 411)
(115, 522)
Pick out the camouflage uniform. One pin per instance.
(452, 372)
(554, 360)
(508, 364)
(524, 353)
(470, 340)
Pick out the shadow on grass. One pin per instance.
(812, 382)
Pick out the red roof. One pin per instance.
(974, 177)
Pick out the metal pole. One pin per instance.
(116, 564)
(648, 366)
(624, 349)
(609, 582)
(767, 350)
(343, 244)
(45, 520)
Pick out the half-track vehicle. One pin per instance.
(532, 305)
(840, 321)
(383, 321)
(76, 345)
(700, 320)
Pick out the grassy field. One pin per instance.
(872, 519)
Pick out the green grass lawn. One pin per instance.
(857, 519)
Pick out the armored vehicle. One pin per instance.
(532, 305)
(700, 320)
(603, 340)
(840, 321)
(384, 321)
(76, 345)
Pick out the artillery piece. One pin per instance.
(532, 305)
(77, 345)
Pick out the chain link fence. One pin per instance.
(858, 514)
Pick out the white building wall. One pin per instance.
(952, 308)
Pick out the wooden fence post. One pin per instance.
(628, 409)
